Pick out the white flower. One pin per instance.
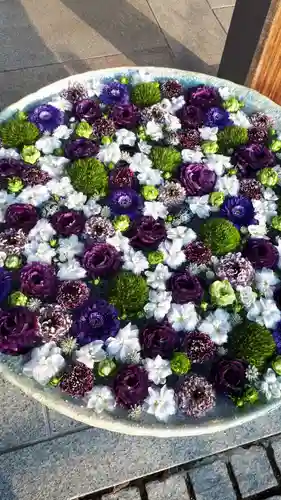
(266, 208)
(46, 362)
(5, 200)
(157, 279)
(247, 296)
(39, 252)
(277, 169)
(61, 187)
(158, 369)
(124, 344)
(155, 209)
(95, 87)
(161, 403)
(240, 119)
(183, 233)
(216, 325)
(71, 271)
(172, 123)
(271, 385)
(266, 280)
(140, 162)
(119, 241)
(42, 231)
(225, 93)
(140, 76)
(265, 312)
(199, 206)
(154, 130)
(3, 257)
(208, 133)
(144, 147)
(192, 155)
(53, 165)
(258, 230)
(218, 163)
(61, 103)
(92, 207)
(183, 317)
(101, 398)
(91, 353)
(173, 254)
(252, 374)
(228, 184)
(48, 144)
(150, 177)
(76, 200)
(124, 136)
(62, 132)
(9, 153)
(165, 105)
(35, 195)
(135, 261)
(177, 103)
(109, 153)
(158, 305)
(69, 247)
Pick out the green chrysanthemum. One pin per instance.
(146, 94)
(253, 343)
(166, 159)
(231, 137)
(128, 293)
(89, 176)
(17, 133)
(220, 235)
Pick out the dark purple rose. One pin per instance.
(203, 96)
(238, 210)
(96, 321)
(159, 339)
(38, 280)
(147, 233)
(125, 201)
(253, 157)
(185, 288)
(88, 110)
(122, 177)
(46, 117)
(101, 260)
(19, 331)
(261, 253)
(11, 168)
(80, 148)
(199, 347)
(228, 376)
(130, 386)
(67, 222)
(5, 283)
(126, 116)
(277, 335)
(21, 216)
(191, 116)
(115, 93)
(197, 178)
(217, 117)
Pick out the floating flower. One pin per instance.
(46, 117)
(87, 109)
(80, 148)
(158, 305)
(199, 347)
(195, 396)
(54, 323)
(253, 157)
(197, 179)
(161, 403)
(236, 269)
(197, 253)
(101, 399)
(158, 339)
(115, 93)
(229, 376)
(125, 116)
(130, 386)
(265, 281)
(67, 222)
(173, 254)
(125, 201)
(271, 385)
(21, 216)
(19, 331)
(238, 210)
(157, 278)
(203, 96)
(158, 369)
(217, 326)
(101, 260)
(135, 261)
(96, 321)
(78, 381)
(38, 280)
(122, 177)
(217, 117)
(72, 294)
(99, 228)
(261, 253)
(91, 353)
(124, 344)
(5, 283)
(190, 116)
(185, 288)
(147, 232)
(46, 362)
(183, 317)
(265, 312)
(222, 293)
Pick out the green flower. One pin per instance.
(276, 222)
(276, 365)
(84, 129)
(13, 262)
(128, 293)
(250, 396)
(209, 147)
(253, 343)
(166, 159)
(222, 293)
(30, 154)
(232, 171)
(146, 94)
(232, 105)
(220, 235)
(180, 363)
(150, 192)
(18, 299)
(231, 137)
(15, 185)
(54, 382)
(18, 133)
(155, 258)
(121, 223)
(106, 140)
(216, 199)
(106, 367)
(268, 177)
(124, 80)
(89, 176)
(275, 145)
(53, 242)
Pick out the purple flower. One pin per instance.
(125, 201)
(199, 347)
(258, 135)
(72, 294)
(236, 269)
(87, 109)
(197, 253)
(19, 331)
(159, 339)
(261, 253)
(196, 396)
(21, 216)
(238, 210)
(122, 177)
(127, 116)
(229, 376)
(68, 222)
(147, 233)
(130, 386)
(96, 321)
(277, 337)
(46, 117)
(191, 116)
(11, 168)
(197, 178)
(217, 117)
(101, 260)
(115, 93)
(33, 176)
(253, 157)
(80, 148)
(5, 283)
(38, 280)
(78, 381)
(185, 288)
(203, 96)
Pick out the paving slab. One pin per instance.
(221, 3)
(173, 488)
(130, 494)
(224, 15)
(212, 481)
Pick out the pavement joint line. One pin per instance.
(233, 480)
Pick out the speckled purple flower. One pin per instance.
(197, 178)
(217, 117)
(80, 148)
(196, 396)
(125, 201)
(115, 93)
(236, 269)
(96, 321)
(46, 117)
(88, 110)
(199, 347)
(238, 210)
